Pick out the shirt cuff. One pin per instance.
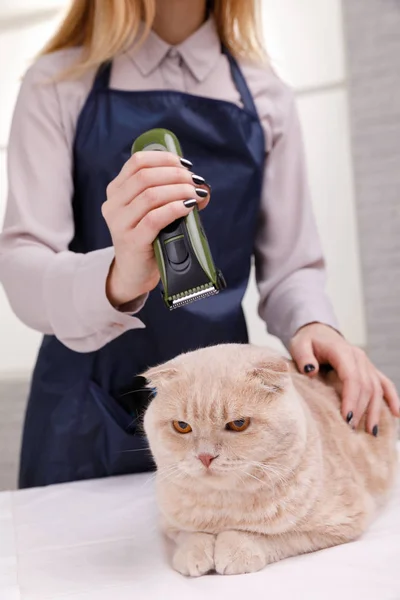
(77, 304)
(90, 294)
(294, 316)
(305, 315)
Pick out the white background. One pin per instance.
(305, 42)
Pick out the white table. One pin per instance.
(98, 540)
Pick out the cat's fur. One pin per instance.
(297, 480)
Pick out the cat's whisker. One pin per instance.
(275, 479)
(275, 470)
(170, 471)
(253, 476)
(267, 472)
(264, 466)
(174, 475)
(241, 479)
(281, 468)
(280, 475)
(263, 482)
(149, 480)
(268, 469)
(163, 471)
(135, 450)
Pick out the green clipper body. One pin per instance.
(183, 255)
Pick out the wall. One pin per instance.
(305, 41)
(373, 48)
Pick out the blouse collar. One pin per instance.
(199, 52)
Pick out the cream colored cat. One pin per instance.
(255, 462)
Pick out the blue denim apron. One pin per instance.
(74, 427)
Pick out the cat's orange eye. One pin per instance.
(239, 425)
(181, 427)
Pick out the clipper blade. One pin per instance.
(192, 295)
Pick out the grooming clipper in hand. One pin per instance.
(182, 251)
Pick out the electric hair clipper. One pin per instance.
(183, 255)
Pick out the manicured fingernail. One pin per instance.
(198, 180)
(375, 431)
(190, 203)
(186, 163)
(349, 416)
(201, 193)
(309, 368)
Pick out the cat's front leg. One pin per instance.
(194, 554)
(238, 552)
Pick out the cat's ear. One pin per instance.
(161, 373)
(272, 374)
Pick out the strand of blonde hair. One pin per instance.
(105, 28)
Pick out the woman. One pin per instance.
(76, 253)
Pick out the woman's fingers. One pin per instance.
(366, 391)
(144, 191)
(302, 352)
(374, 408)
(362, 387)
(154, 198)
(149, 227)
(360, 391)
(344, 363)
(149, 178)
(154, 177)
(145, 160)
(390, 394)
(351, 394)
(203, 202)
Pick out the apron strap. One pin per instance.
(240, 82)
(102, 79)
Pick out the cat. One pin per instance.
(255, 462)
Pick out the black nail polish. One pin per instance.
(375, 431)
(349, 416)
(309, 368)
(190, 203)
(198, 180)
(186, 163)
(201, 193)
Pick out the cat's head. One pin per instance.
(221, 413)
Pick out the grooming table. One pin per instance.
(98, 540)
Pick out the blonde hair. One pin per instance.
(104, 28)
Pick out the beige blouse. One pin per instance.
(60, 292)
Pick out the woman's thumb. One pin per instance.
(303, 355)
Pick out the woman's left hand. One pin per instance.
(364, 387)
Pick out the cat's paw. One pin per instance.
(237, 553)
(194, 556)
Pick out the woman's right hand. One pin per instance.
(148, 194)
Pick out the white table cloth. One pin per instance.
(98, 540)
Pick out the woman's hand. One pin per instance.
(151, 191)
(364, 387)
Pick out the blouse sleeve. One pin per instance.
(290, 267)
(51, 289)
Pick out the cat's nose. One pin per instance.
(206, 459)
